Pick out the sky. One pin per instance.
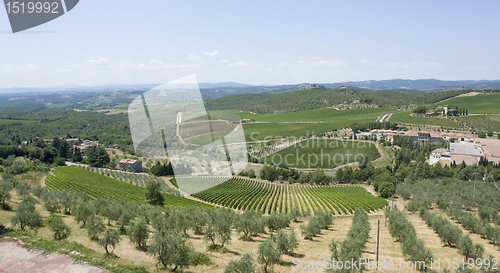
(254, 42)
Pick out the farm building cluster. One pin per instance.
(468, 148)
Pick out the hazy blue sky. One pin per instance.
(255, 42)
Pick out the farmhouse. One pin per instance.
(131, 165)
(82, 147)
(422, 137)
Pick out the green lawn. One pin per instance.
(479, 104)
(404, 117)
(319, 114)
(15, 121)
(261, 131)
(324, 153)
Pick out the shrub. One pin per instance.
(245, 265)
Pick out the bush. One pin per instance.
(245, 265)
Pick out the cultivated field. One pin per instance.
(483, 122)
(405, 117)
(319, 114)
(79, 180)
(273, 197)
(261, 131)
(324, 153)
(478, 104)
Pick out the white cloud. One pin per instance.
(412, 64)
(193, 57)
(328, 63)
(224, 61)
(366, 63)
(238, 64)
(213, 53)
(155, 62)
(97, 61)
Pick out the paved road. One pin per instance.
(15, 257)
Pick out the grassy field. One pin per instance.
(478, 104)
(271, 197)
(485, 123)
(261, 131)
(79, 180)
(15, 121)
(319, 114)
(404, 117)
(324, 153)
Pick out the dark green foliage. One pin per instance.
(26, 215)
(52, 205)
(218, 230)
(404, 232)
(286, 242)
(82, 210)
(110, 238)
(470, 250)
(449, 233)
(23, 189)
(94, 226)
(58, 227)
(199, 219)
(277, 221)
(170, 248)
(162, 170)
(245, 265)
(250, 223)
(420, 110)
(351, 247)
(97, 156)
(138, 232)
(153, 193)
(268, 255)
(386, 189)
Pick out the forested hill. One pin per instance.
(297, 100)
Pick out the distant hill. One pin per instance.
(299, 99)
(222, 89)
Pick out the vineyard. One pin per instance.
(79, 180)
(239, 193)
(133, 178)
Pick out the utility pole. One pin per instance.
(378, 238)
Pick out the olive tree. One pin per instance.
(268, 255)
(26, 215)
(58, 227)
(138, 232)
(110, 238)
(171, 248)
